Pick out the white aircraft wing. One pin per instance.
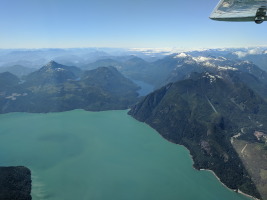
(240, 10)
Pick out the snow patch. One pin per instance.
(201, 59)
(59, 69)
(189, 62)
(227, 68)
(209, 61)
(212, 62)
(181, 55)
(211, 77)
(209, 64)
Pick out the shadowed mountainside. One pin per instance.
(203, 113)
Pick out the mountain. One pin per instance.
(130, 66)
(8, 80)
(137, 69)
(258, 59)
(53, 73)
(245, 71)
(256, 55)
(109, 79)
(205, 113)
(179, 66)
(102, 63)
(10, 87)
(17, 70)
(56, 87)
(10, 90)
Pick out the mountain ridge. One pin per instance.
(203, 113)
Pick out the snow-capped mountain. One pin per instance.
(180, 66)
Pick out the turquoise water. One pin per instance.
(102, 156)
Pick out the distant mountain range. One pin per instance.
(36, 58)
(182, 65)
(18, 70)
(56, 87)
(176, 67)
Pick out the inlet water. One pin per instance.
(102, 156)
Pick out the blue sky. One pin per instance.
(121, 23)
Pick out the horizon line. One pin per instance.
(136, 48)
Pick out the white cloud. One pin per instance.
(201, 59)
(240, 54)
(254, 51)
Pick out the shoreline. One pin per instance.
(238, 191)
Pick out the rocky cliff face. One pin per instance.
(15, 183)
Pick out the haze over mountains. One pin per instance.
(36, 58)
(211, 101)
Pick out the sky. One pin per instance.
(181, 24)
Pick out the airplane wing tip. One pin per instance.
(238, 11)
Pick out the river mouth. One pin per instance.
(102, 156)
